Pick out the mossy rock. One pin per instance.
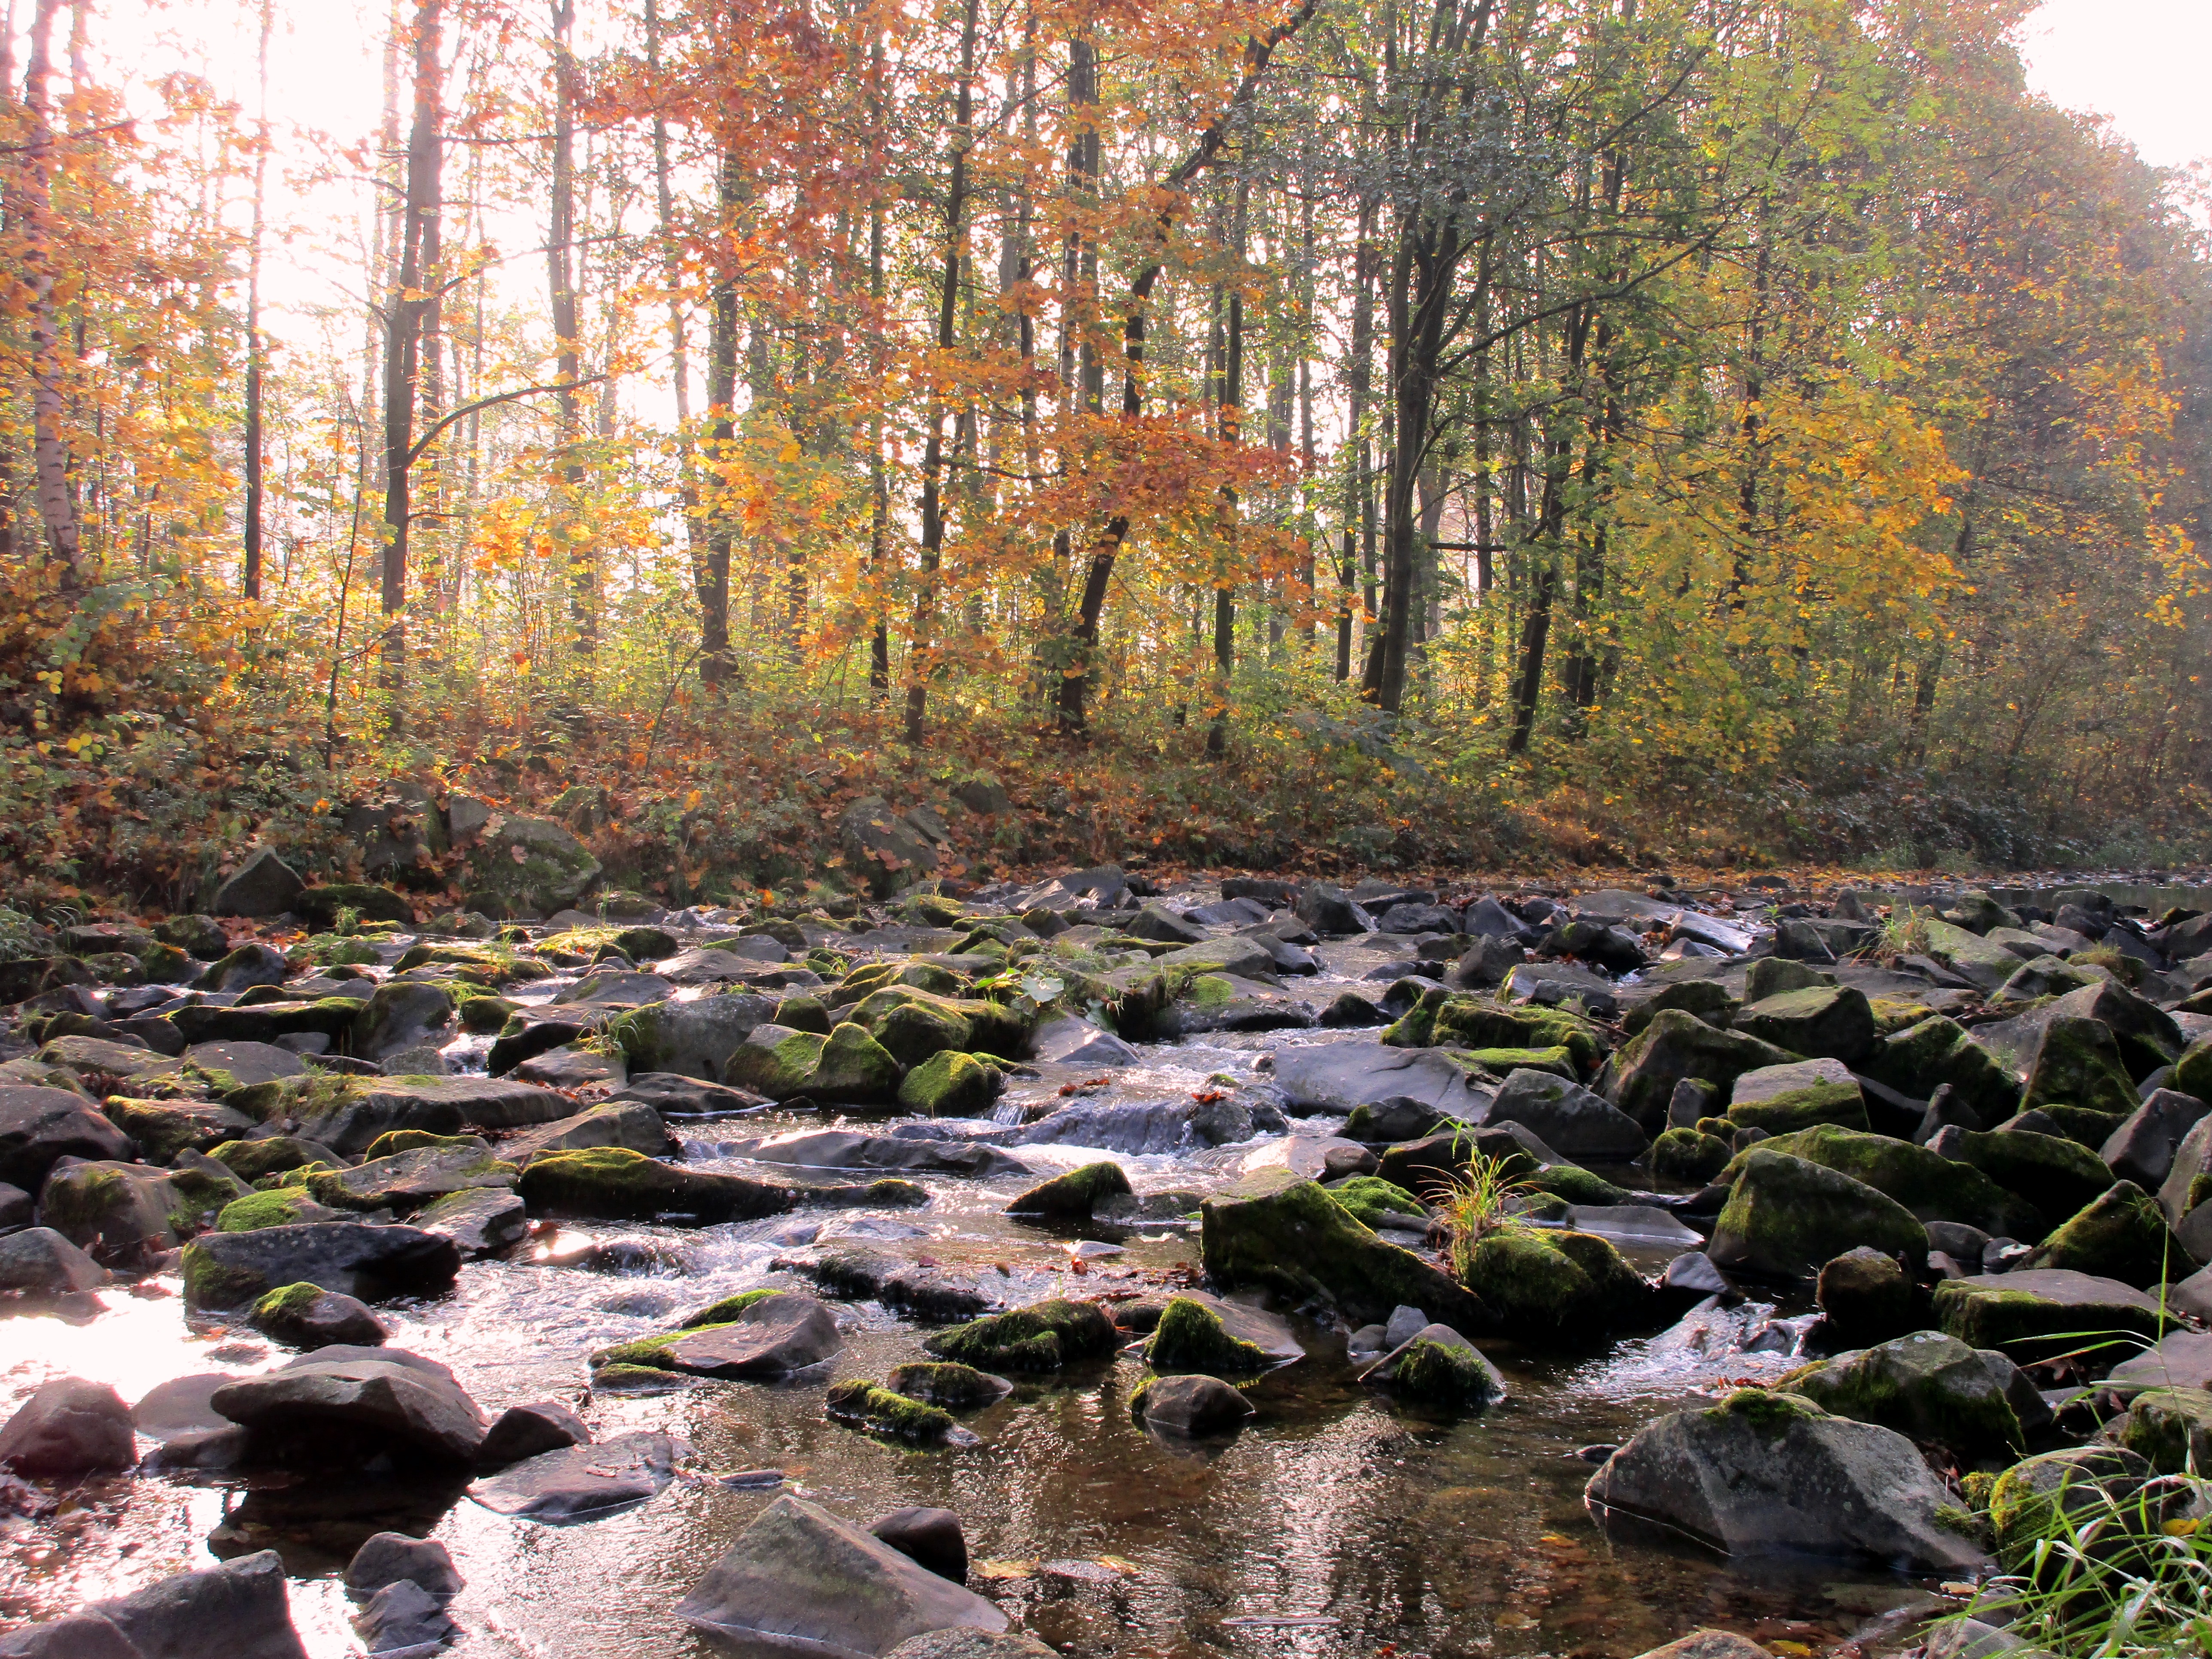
(1822, 1021)
(284, 1206)
(1559, 1060)
(1678, 1045)
(1783, 1113)
(1077, 1193)
(1788, 1216)
(2078, 1064)
(2032, 1500)
(877, 1410)
(2030, 1326)
(1686, 1155)
(1925, 1386)
(804, 1013)
(1555, 1284)
(162, 1128)
(1918, 1060)
(1043, 1337)
(2172, 1428)
(2092, 1128)
(1575, 1184)
(637, 1379)
(1477, 1023)
(1190, 1337)
(913, 1024)
(953, 1387)
(774, 1060)
(2121, 1234)
(616, 1183)
(1446, 1375)
(1932, 1187)
(393, 1141)
(1707, 999)
(1774, 977)
(2057, 1175)
(723, 1311)
(484, 1015)
(1866, 1298)
(1771, 1412)
(1370, 1199)
(949, 1083)
(1895, 1014)
(853, 1068)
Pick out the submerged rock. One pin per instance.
(578, 1483)
(863, 1404)
(1767, 1473)
(618, 1184)
(530, 1431)
(343, 1405)
(1190, 1404)
(389, 1557)
(955, 1387)
(1437, 1366)
(68, 1427)
(1043, 1337)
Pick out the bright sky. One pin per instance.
(2142, 62)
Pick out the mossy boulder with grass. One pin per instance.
(853, 1069)
(1275, 1232)
(1553, 1284)
(616, 1183)
(1787, 1216)
(1932, 1187)
(1191, 1337)
(2170, 1428)
(773, 1060)
(1970, 957)
(281, 1206)
(949, 1083)
(1920, 1059)
(2037, 1314)
(2034, 1498)
(1822, 1021)
(1686, 1154)
(2121, 1234)
(1076, 1194)
(2057, 1175)
(1927, 1386)
(1678, 1045)
(2078, 1064)
(1043, 1337)
(1478, 1022)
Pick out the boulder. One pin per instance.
(616, 1183)
(1708, 1644)
(800, 1580)
(521, 867)
(2142, 1148)
(886, 849)
(628, 1123)
(1041, 1337)
(1330, 910)
(2120, 1234)
(346, 1404)
(238, 1610)
(1932, 1187)
(1339, 1076)
(2039, 1313)
(78, 1636)
(235, 1269)
(387, 1557)
(1553, 1284)
(251, 964)
(2171, 1428)
(1866, 1297)
(265, 885)
(522, 1431)
(862, 1405)
(1765, 1473)
(951, 1387)
(400, 1015)
(1924, 1056)
(1678, 1045)
(1190, 1404)
(308, 1316)
(404, 1181)
(118, 1213)
(2181, 1359)
(1831, 1022)
(1927, 1386)
(160, 1129)
(951, 1084)
(2032, 1498)
(1784, 1099)
(1076, 1194)
(694, 1038)
(68, 1427)
(1272, 1232)
(580, 1483)
(767, 1335)
(1969, 956)
(930, 1538)
(38, 1261)
(1437, 1366)
(1786, 1217)
(2057, 1177)
(2189, 1182)
(849, 1149)
(2078, 1064)
(1567, 1117)
(38, 1128)
(403, 1619)
(437, 1105)
(1689, 1155)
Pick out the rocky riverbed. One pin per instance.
(644, 1263)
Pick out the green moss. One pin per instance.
(1839, 1104)
(1557, 1060)
(854, 1067)
(2121, 1235)
(634, 1379)
(1043, 1337)
(1554, 1283)
(209, 1284)
(2029, 1328)
(1772, 1414)
(1190, 1337)
(1936, 1051)
(1926, 1387)
(1209, 991)
(482, 1015)
(407, 1140)
(1368, 1199)
(778, 1069)
(1439, 1374)
(1686, 1155)
(286, 1302)
(949, 1083)
(76, 1200)
(2078, 1064)
(1976, 1485)
(1077, 1193)
(2056, 1176)
(804, 1013)
(255, 1211)
(1932, 1187)
(1575, 1184)
(956, 1388)
(1477, 1023)
(726, 1310)
(2032, 1499)
(879, 1411)
(2171, 1427)
(1786, 1217)
(1677, 1045)
(299, 1178)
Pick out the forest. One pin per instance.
(1223, 432)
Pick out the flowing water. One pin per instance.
(1337, 1522)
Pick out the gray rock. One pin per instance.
(325, 1321)
(400, 1016)
(39, 1261)
(696, 1038)
(38, 1128)
(265, 885)
(249, 1062)
(181, 1405)
(373, 1400)
(530, 1431)
(573, 1068)
(523, 866)
(800, 1580)
(1467, 1382)
(79, 1636)
(845, 1149)
(251, 964)
(930, 1538)
(120, 1213)
(440, 1106)
(1771, 1474)
(480, 1221)
(771, 1338)
(1567, 1117)
(971, 1645)
(578, 1483)
(2181, 1359)
(357, 1259)
(68, 1427)
(630, 1123)
(1330, 910)
(388, 1558)
(1404, 1324)
(1072, 1042)
(1335, 1077)
(1193, 1404)
(238, 1610)
(2142, 1149)
(883, 847)
(672, 1096)
(404, 1618)
(1135, 1129)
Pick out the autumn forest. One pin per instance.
(1251, 432)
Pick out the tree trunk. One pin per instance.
(1233, 433)
(250, 530)
(716, 663)
(49, 406)
(559, 245)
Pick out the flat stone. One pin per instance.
(481, 1221)
(383, 1398)
(580, 1483)
(771, 1338)
(230, 1270)
(844, 1149)
(2181, 1359)
(1190, 1404)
